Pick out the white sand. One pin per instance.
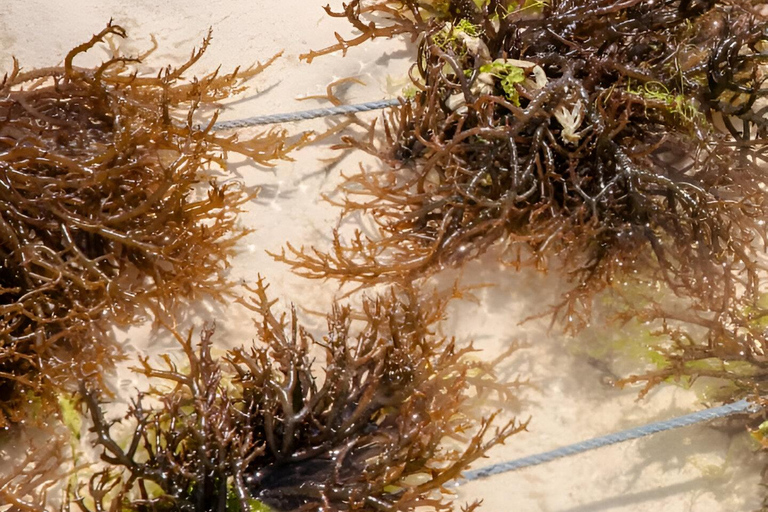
(695, 469)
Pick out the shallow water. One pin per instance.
(704, 468)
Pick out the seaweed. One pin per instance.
(108, 204)
(690, 345)
(30, 479)
(721, 355)
(379, 414)
(615, 137)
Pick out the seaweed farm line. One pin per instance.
(722, 411)
(305, 115)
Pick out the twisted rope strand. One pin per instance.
(617, 437)
(306, 114)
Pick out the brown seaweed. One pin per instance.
(613, 136)
(108, 203)
(357, 420)
(31, 477)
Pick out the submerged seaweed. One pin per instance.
(378, 415)
(109, 203)
(24, 488)
(615, 136)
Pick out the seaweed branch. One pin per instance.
(356, 421)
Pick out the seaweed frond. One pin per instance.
(379, 414)
(27, 479)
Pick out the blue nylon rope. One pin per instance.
(306, 114)
(617, 437)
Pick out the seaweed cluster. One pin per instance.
(624, 139)
(111, 209)
(109, 203)
(617, 137)
(375, 416)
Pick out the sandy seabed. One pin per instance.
(701, 468)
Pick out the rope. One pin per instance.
(306, 114)
(617, 437)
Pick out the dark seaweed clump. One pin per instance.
(619, 137)
(108, 201)
(375, 416)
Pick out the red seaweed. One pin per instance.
(612, 136)
(357, 420)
